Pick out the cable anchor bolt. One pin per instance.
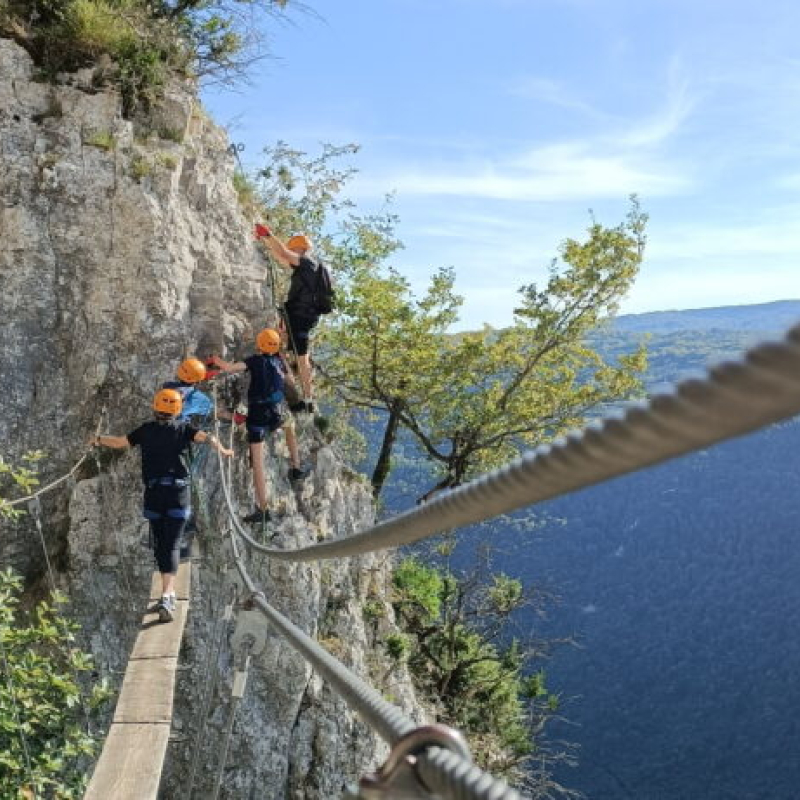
(398, 778)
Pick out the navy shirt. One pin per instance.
(266, 378)
(162, 444)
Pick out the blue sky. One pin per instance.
(499, 124)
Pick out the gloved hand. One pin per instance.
(262, 231)
(239, 419)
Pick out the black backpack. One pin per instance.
(324, 295)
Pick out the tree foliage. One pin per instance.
(44, 742)
(494, 392)
(478, 678)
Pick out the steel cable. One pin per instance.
(450, 774)
(735, 398)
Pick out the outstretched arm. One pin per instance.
(202, 436)
(279, 250)
(228, 366)
(106, 440)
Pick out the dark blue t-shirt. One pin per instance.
(162, 444)
(266, 378)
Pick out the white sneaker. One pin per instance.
(166, 608)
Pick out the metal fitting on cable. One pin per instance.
(398, 778)
(248, 603)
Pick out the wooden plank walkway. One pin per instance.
(133, 753)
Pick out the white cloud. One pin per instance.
(551, 173)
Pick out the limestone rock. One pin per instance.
(124, 250)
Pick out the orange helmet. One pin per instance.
(192, 370)
(268, 341)
(168, 401)
(299, 243)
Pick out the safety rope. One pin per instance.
(237, 693)
(445, 771)
(210, 682)
(736, 398)
(50, 486)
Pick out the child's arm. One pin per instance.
(202, 436)
(229, 366)
(106, 440)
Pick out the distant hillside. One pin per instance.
(765, 317)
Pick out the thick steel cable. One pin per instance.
(735, 398)
(444, 771)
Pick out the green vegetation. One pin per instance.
(104, 140)
(476, 677)
(23, 477)
(44, 741)
(147, 40)
(48, 686)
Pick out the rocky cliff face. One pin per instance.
(124, 250)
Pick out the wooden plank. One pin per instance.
(133, 754)
(131, 763)
(183, 583)
(147, 691)
(161, 639)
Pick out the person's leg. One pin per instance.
(257, 464)
(291, 443)
(306, 378)
(299, 329)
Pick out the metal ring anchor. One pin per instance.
(398, 774)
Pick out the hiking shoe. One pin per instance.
(165, 609)
(298, 473)
(309, 406)
(257, 517)
(297, 407)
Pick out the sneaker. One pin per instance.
(297, 407)
(309, 406)
(165, 608)
(298, 473)
(257, 517)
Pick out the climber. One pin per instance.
(191, 371)
(301, 313)
(166, 483)
(268, 376)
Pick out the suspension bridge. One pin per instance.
(430, 761)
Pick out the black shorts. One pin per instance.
(299, 326)
(262, 419)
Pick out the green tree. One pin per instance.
(478, 677)
(495, 392)
(45, 746)
(385, 345)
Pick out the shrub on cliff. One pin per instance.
(145, 41)
(45, 701)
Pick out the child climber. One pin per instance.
(268, 375)
(191, 371)
(166, 483)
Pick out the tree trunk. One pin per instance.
(384, 462)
